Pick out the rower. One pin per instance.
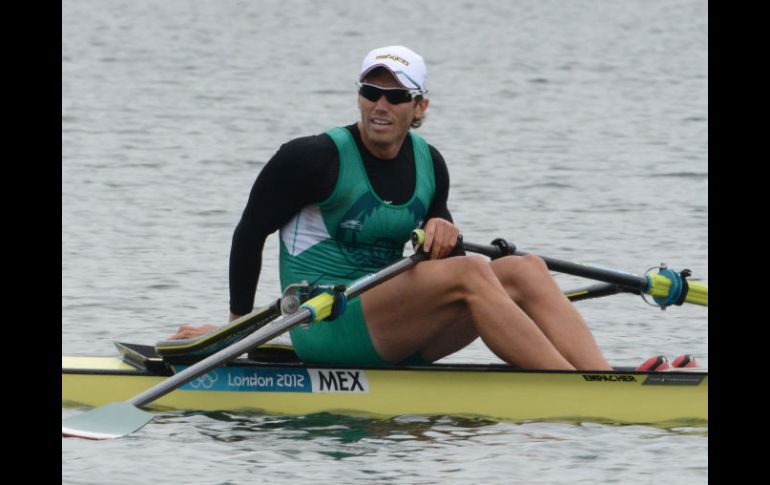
(345, 202)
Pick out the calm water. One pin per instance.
(575, 129)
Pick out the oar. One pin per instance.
(597, 291)
(666, 287)
(121, 418)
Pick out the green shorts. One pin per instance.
(343, 341)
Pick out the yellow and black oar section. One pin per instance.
(121, 418)
(598, 290)
(666, 287)
(669, 288)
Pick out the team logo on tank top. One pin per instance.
(372, 234)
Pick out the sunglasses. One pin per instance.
(393, 95)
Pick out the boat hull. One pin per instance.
(491, 391)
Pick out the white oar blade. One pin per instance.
(107, 422)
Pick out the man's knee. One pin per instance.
(521, 271)
(534, 264)
(473, 274)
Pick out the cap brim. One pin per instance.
(400, 76)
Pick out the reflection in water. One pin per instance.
(426, 431)
(416, 449)
(230, 427)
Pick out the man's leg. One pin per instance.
(434, 303)
(530, 284)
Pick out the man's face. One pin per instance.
(384, 125)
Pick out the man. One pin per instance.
(345, 203)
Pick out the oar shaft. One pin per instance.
(597, 291)
(666, 287)
(361, 285)
(698, 293)
(607, 275)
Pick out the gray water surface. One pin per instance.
(577, 130)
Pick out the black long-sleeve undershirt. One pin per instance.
(304, 171)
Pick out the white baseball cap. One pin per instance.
(405, 64)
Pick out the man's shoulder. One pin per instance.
(437, 157)
(312, 156)
(312, 144)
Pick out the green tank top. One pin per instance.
(353, 232)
